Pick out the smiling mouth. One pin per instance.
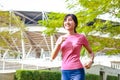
(67, 25)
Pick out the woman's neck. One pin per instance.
(71, 33)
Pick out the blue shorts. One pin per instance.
(76, 74)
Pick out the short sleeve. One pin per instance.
(85, 41)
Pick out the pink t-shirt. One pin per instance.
(70, 49)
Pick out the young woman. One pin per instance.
(70, 45)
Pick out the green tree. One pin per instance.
(10, 34)
(53, 23)
(14, 36)
(88, 12)
(88, 15)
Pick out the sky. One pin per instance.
(43, 5)
(34, 5)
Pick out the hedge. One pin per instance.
(51, 75)
(37, 75)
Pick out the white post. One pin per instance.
(43, 16)
(52, 42)
(3, 64)
(6, 52)
(10, 16)
(22, 41)
(23, 46)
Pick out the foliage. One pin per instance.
(89, 21)
(7, 19)
(37, 75)
(106, 45)
(92, 76)
(97, 43)
(2, 41)
(109, 77)
(51, 75)
(88, 12)
(10, 34)
(4, 18)
(54, 21)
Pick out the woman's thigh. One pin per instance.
(77, 74)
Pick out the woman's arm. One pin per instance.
(57, 47)
(55, 51)
(88, 65)
(90, 52)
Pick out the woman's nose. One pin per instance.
(66, 21)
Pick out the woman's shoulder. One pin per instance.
(62, 36)
(77, 34)
(80, 34)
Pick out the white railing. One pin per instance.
(115, 64)
(14, 64)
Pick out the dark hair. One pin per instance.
(74, 19)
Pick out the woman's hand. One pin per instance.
(62, 39)
(55, 51)
(88, 64)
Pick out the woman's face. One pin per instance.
(69, 23)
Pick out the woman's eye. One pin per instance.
(70, 20)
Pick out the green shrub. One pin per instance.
(51, 75)
(92, 77)
(23, 75)
(37, 75)
(112, 77)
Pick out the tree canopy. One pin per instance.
(10, 32)
(88, 12)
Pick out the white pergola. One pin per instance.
(32, 39)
